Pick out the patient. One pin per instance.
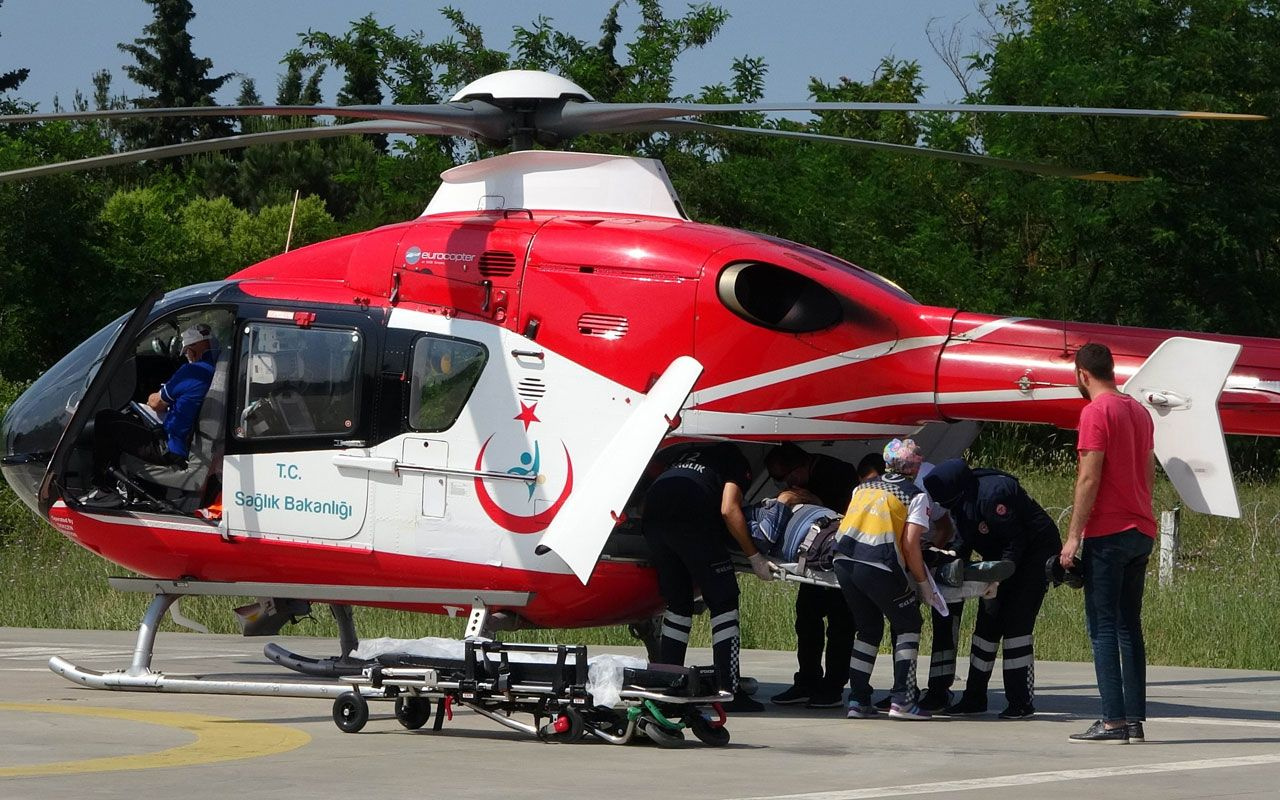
(788, 528)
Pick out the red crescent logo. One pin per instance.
(514, 522)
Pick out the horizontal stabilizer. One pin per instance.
(1180, 384)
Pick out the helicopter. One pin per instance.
(452, 414)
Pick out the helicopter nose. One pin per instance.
(28, 445)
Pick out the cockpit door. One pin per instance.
(117, 354)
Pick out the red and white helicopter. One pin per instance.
(450, 413)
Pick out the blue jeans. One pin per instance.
(1115, 570)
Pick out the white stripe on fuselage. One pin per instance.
(860, 355)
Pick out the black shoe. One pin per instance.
(1018, 712)
(791, 696)
(988, 571)
(102, 499)
(884, 703)
(1135, 732)
(935, 700)
(1099, 733)
(744, 704)
(950, 574)
(967, 706)
(826, 698)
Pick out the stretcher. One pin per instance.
(570, 697)
(980, 579)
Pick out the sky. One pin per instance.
(63, 42)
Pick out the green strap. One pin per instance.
(662, 720)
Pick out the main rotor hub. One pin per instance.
(521, 84)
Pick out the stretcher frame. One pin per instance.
(658, 703)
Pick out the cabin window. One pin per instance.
(297, 382)
(777, 298)
(445, 371)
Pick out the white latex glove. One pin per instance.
(760, 566)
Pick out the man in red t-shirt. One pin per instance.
(1112, 517)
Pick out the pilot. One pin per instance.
(177, 402)
(995, 517)
(688, 510)
(831, 483)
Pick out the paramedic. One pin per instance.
(688, 509)
(879, 563)
(995, 517)
(831, 482)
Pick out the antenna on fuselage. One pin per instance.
(288, 239)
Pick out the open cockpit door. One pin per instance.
(578, 533)
(116, 356)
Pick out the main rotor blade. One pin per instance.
(948, 155)
(474, 118)
(230, 143)
(579, 118)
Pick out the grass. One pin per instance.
(1219, 611)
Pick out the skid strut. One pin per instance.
(139, 677)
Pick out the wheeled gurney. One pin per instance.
(569, 696)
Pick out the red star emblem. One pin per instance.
(527, 415)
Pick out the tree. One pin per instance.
(1197, 244)
(11, 80)
(168, 67)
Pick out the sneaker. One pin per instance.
(826, 698)
(861, 710)
(791, 696)
(743, 703)
(101, 498)
(1099, 732)
(935, 700)
(1018, 712)
(1135, 732)
(913, 711)
(967, 706)
(884, 702)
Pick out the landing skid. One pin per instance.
(139, 677)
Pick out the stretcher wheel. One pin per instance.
(662, 736)
(412, 712)
(714, 735)
(350, 712)
(575, 728)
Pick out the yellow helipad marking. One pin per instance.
(217, 739)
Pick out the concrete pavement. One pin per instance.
(1212, 733)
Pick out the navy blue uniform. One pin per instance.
(832, 481)
(996, 518)
(685, 531)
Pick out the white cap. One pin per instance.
(196, 334)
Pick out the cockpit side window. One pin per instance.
(298, 382)
(778, 298)
(445, 371)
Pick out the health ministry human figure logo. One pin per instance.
(531, 465)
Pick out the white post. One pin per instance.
(1168, 545)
